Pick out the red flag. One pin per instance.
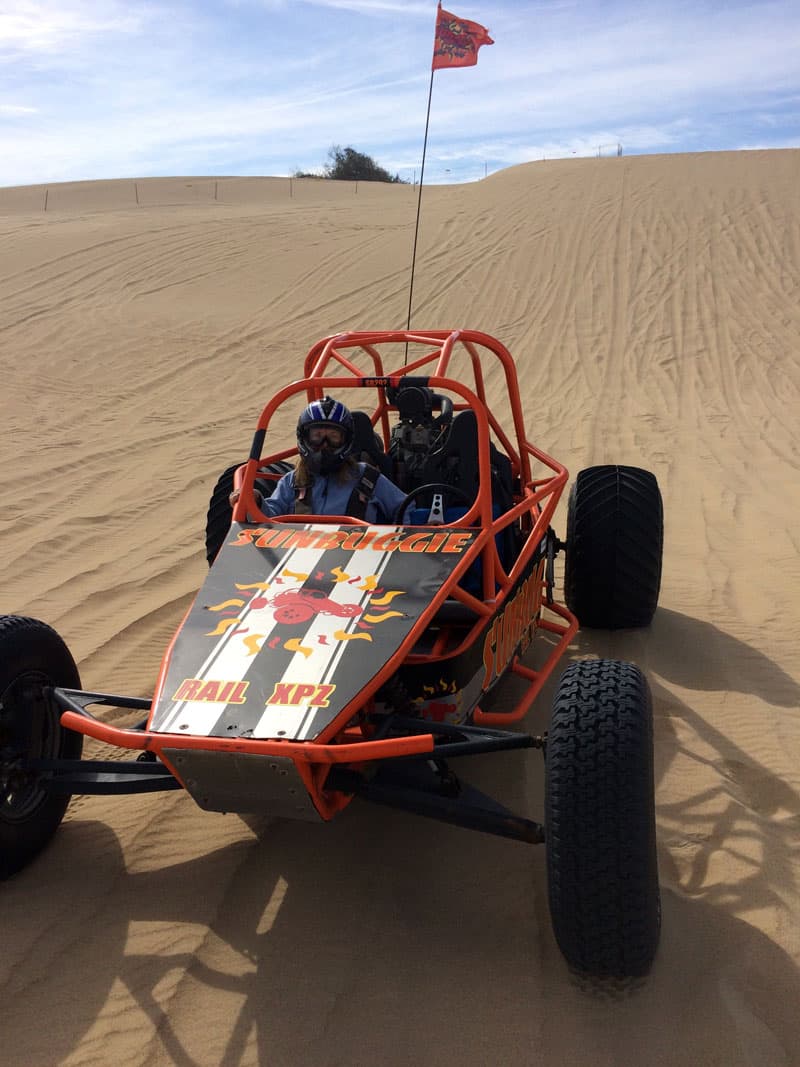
(456, 41)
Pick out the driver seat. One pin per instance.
(457, 465)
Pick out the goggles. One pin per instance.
(317, 435)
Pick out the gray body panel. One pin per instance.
(294, 622)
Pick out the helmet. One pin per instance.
(319, 416)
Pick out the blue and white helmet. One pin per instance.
(318, 416)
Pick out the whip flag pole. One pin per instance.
(455, 44)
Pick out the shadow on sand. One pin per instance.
(384, 938)
(377, 939)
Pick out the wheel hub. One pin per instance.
(28, 730)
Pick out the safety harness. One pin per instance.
(359, 498)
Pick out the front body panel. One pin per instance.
(449, 689)
(295, 621)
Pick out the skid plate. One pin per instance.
(243, 782)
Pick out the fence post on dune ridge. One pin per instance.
(136, 191)
(46, 194)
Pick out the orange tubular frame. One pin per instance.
(336, 363)
(348, 352)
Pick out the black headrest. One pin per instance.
(417, 403)
(367, 443)
(363, 433)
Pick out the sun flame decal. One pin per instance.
(222, 626)
(225, 604)
(443, 687)
(382, 618)
(293, 645)
(296, 605)
(387, 598)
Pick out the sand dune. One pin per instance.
(653, 306)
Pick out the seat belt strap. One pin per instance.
(363, 492)
(359, 498)
(302, 499)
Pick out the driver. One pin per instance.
(327, 480)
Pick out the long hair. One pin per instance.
(347, 472)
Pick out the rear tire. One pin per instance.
(220, 513)
(602, 869)
(32, 657)
(615, 539)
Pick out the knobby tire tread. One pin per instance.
(32, 649)
(600, 821)
(220, 513)
(615, 535)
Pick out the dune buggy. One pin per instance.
(326, 658)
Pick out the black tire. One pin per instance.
(32, 657)
(220, 514)
(615, 540)
(602, 869)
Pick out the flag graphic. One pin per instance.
(456, 41)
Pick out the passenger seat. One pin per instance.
(367, 445)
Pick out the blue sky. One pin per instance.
(110, 88)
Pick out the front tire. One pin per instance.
(602, 869)
(615, 539)
(32, 658)
(220, 513)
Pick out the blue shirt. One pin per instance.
(330, 496)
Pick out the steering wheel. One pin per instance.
(442, 488)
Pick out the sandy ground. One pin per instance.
(653, 306)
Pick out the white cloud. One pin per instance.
(34, 26)
(376, 7)
(93, 88)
